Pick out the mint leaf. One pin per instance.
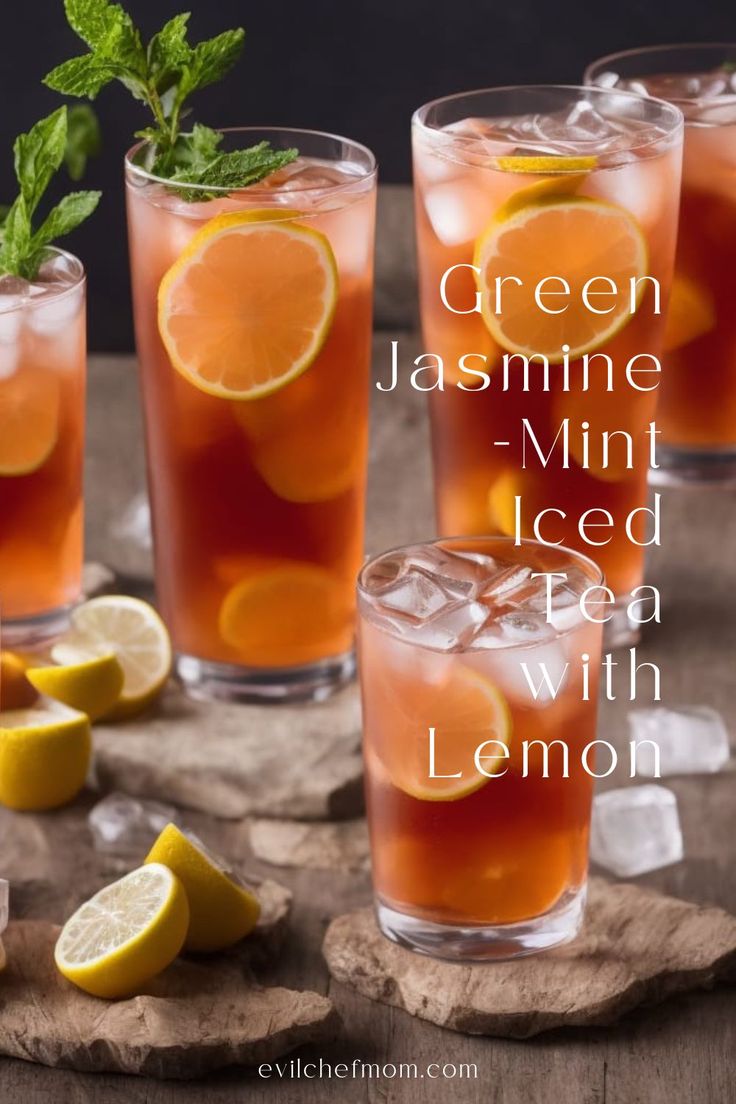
(232, 170)
(109, 31)
(38, 155)
(163, 75)
(65, 217)
(169, 49)
(16, 239)
(212, 59)
(82, 139)
(81, 76)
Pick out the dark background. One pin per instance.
(358, 68)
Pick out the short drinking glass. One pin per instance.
(479, 673)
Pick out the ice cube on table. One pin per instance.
(4, 904)
(134, 524)
(127, 826)
(635, 829)
(691, 739)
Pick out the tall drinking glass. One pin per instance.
(697, 406)
(253, 327)
(546, 221)
(42, 391)
(477, 725)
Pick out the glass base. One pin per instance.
(30, 634)
(681, 467)
(205, 681)
(621, 631)
(493, 943)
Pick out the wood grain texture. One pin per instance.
(636, 947)
(682, 1052)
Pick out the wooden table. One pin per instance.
(683, 1051)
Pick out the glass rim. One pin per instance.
(145, 174)
(654, 51)
(598, 579)
(668, 109)
(30, 302)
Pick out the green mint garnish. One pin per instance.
(82, 139)
(38, 156)
(163, 75)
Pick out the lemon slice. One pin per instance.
(502, 502)
(285, 613)
(44, 757)
(221, 911)
(133, 632)
(248, 305)
(691, 313)
(92, 686)
(573, 237)
(126, 934)
(29, 420)
(465, 710)
(544, 163)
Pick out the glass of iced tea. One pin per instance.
(479, 671)
(546, 222)
(253, 328)
(42, 393)
(697, 406)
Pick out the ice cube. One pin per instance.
(635, 829)
(127, 826)
(457, 210)
(16, 288)
(415, 596)
(637, 185)
(506, 581)
(533, 676)
(454, 627)
(461, 575)
(49, 314)
(9, 359)
(524, 627)
(134, 523)
(607, 80)
(4, 899)
(691, 739)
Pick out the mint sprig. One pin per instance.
(38, 155)
(163, 75)
(82, 139)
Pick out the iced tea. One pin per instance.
(464, 638)
(521, 185)
(697, 407)
(258, 497)
(42, 389)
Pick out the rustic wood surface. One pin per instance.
(682, 1051)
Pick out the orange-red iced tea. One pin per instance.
(447, 632)
(568, 186)
(42, 387)
(257, 486)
